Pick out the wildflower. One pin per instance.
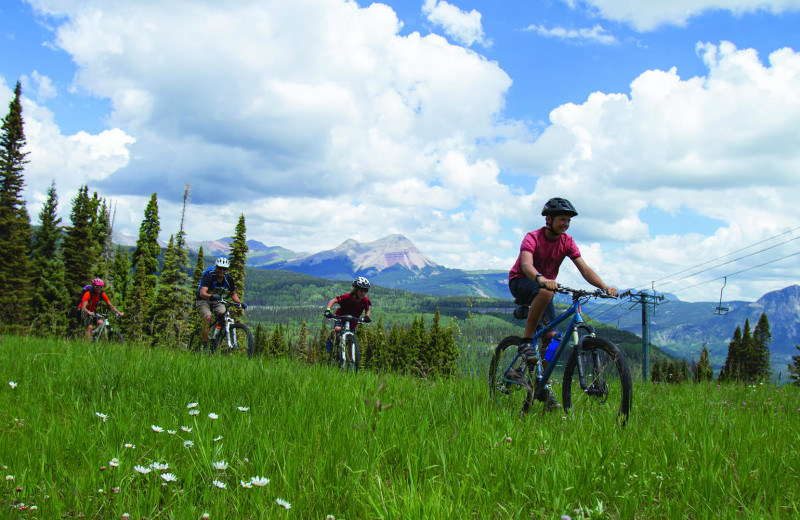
(205, 516)
(220, 466)
(508, 439)
(12, 384)
(126, 516)
(9, 477)
(219, 484)
(243, 408)
(159, 467)
(169, 477)
(191, 405)
(186, 429)
(171, 432)
(247, 485)
(157, 429)
(259, 481)
(114, 462)
(101, 415)
(330, 517)
(34, 507)
(283, 503)
(188, 444)
(131, 446)
(212, 416)
(141, 469)
(218, 438)
(194, 412)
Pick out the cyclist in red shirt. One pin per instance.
(351, 304)
(90, 301)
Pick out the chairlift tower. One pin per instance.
(647, 301)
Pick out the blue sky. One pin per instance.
(672, 126)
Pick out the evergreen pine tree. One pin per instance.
(302, 347)
(762, 337)
(78, 249)
(733, 368)
(49, 301)
(260, 341)
(121, 277)
(145, 262)
(412, 345)
(199, 267)
(794, 368)
(746, 353)
(393, 349)
(277, 342)
(704, 371)
(15, 225)
(102, 240)
(238, 259)
(170, 310)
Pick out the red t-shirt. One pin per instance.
(91, 300)
(349, 307)
(547, 254)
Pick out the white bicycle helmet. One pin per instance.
(361, 283)
(222, 262)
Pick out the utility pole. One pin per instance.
(646, 300)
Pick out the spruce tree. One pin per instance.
(49, 302)
(302, 347)
(794, 368)
(199, 267)
(733, 368)
(78, 250)
(15, 225)
(238, 259)
(759, 361)
(169, 312)
(121, 276)
(704, 371)
(277, 342)
(145, 262)
(260, 341)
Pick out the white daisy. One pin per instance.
(243, 408)
(283, 503)
(12, 384)
(157, 429)
(219, 484)
(213, 416)
(191, 405)
(218, 438)
(220, 466)
(9, 477)
(159, 467)
(172, 432)
(101, 415)
(260, 481)
(247, 485)
(194, 412)
(114, 462)
(186, 429)
(169, 477)
(141, 469)
(188, 444)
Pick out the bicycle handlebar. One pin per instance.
(582, 293)
(229, 303)
(346, 317)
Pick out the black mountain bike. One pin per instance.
(346, 353)
(596, 375)
(226, 335)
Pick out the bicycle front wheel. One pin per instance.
(606, 377)
(196, 341)
(353, 352)
(509, 379)
(242, 338)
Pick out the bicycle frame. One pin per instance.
(577, 322)
(343, 322)
(228, 321)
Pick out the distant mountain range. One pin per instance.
(679, 328)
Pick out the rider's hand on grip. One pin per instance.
(214, 298)
(244, 305)
(328, 314)
(367, 319)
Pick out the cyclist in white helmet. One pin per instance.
(216, 282)
(351, 304)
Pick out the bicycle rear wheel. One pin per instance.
(607, 379)
(196, 341)
(509, 379)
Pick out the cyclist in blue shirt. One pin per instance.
(215, 283)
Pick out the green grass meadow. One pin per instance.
(347, 446)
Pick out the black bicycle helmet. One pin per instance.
(559, 206)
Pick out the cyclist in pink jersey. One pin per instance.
(532, 279)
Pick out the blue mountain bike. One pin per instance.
(596, 375)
